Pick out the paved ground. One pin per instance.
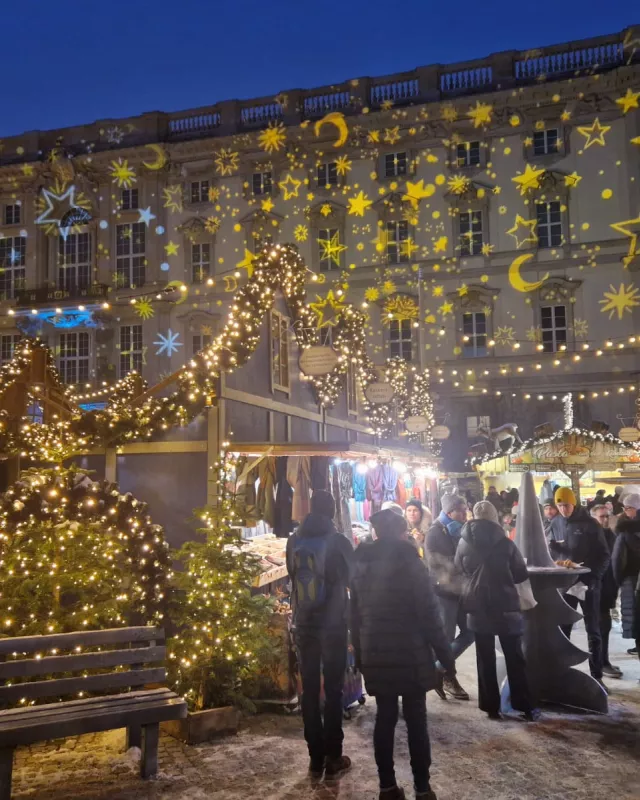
(564, 757)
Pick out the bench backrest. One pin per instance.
(30, 657)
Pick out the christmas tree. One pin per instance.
(223, 628)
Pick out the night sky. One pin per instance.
(68, 63)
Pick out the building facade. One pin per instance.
(486, 215)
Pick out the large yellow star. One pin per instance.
(446, 308)
(635, 140)
(267, 205)
(417, 191)
(331, 248)
(630, 228)
(247, 262)
(530, 179)
(359, 204)
(527, 226)
(441, 244)
(571, 181)
(480, 114)
(290, 186)
(594, 134)
(618, 301)
(171, 249)
(629, 101)
(327, 309)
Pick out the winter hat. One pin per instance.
(452, 501)
(565, 495)
(485, 510)
(631, 501)
(388, 523)
(417, 504)
(389, 505)
(619, 490)
(322, 503)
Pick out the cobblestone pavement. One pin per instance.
(563, 757)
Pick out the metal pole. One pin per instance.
(420, 322)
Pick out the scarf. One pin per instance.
(452, 525)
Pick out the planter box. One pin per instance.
(200, 726)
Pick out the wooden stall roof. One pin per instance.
(345, 450)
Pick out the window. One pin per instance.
(352, 388)
(262, 183)
(397, 233)
(200, 191)
(279, 351)
(130, 349)
(395, 164)
(200, 341)
(35, 413)
(474, 328)
(325, 336)
(130, 258)
(473, 423)
(545, 142)
(129, 199)
(8, 344)
(329, 249)
(471, 233)
(549, 224)
(400, 336)
(74, 261)
(328, 174)
(12, 262)
(73, 360)
(12, 214)
(468, 154)
(553, 323)
(200, 262)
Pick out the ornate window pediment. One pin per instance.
(261, 227)
(325, 214)
(195, 230)
(464, 191)
(558, 290)
(474, 298)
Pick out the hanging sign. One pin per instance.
(629, 434)
(417, 424)
(440, 433)
(318, 360)
(379, 393)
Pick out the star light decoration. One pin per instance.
(594, 133)
(359, 204)
(168, 344)
(629, 101)
(414, 192)
(61, 209)
(331, 248)
(401, 308)
(122, 174)
(480, 114)
(226, 161)
(523, 231)
(529, 180)
(630, 228)
(327, 310)
(273, 138)
(173, 198)
(619, 301)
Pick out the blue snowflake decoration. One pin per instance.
(168, 344)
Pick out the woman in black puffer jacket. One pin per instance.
(495, 608)
(625, 561)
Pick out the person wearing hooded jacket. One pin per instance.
(626, 570)
(576, 536)
(396, 628)
(495, 608)
(321, 637)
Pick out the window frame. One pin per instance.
(12, 274)
(395, 173)
(134, 352)
(328, 264)
(74, 356)
(470, 245)
(6, 214)
(545, 151)
(80, 268)
(468, 147)
(550, 226)
(555, 341)
(261, 174)
(396, 243)
(199, 341)
(201, 262)
(331, 179)
(198, 199)
(279, 370)
(125, 261)
(8, 344)
(471, 348)
(132, 201)
(401, 339)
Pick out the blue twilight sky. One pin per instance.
(67, 63)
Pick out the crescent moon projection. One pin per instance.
(161, 157)
(517, 281)
(337, 119)
(230, 283)
(184, 293)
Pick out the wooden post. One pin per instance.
(111, 465)
(149, 760)
(6, 768)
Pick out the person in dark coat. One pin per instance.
(495, 608)
(321, 634)
(494, 498)
(396, 628)
(608, 592)
(626, 570)
(576, 536)
(440, 546)
(614, 499)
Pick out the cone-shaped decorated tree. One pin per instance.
(223, 628)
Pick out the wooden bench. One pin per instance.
(138, 710)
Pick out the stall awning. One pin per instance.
(345, 450)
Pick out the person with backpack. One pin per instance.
(494, 566)
(319, 561)
(396, 628)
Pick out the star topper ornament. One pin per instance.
(327, 310)
(57, 208)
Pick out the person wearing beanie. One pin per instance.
(319, 563)
(440, 546)
(494, 566)
(614, 499)
(495, 498)
(419, 521)
(550, 512)
(396, 629)
(576, 536)
(626, 570)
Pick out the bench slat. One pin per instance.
(67, 641)
(84, 703)
(90, 683)
(151, 712)
(32, 667)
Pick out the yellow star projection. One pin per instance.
(247, 262)
(629, 101)
(415, 192)
(226, 161)
(571, 181)
(331, 248)
(529, 180)
(523, 231)
(328, 310)
(343, 165)
(273, 138)
(459, 184)
(144, 309)
(122, 173)
(290, 186)
(480, 114)
(359, 204)
(624, 299)
(630, 228)
(401, 308)
(173, 198)
(594, 134)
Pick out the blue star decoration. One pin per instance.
(145, 215)
(168, 344)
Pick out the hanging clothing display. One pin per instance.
(246, 499)
(284, 500)
(345, 480)
(320, 473)
(360, 494)
(335, 491)
(299, 478)
(374, 488)
(266, 498)
(401, 493)
(389, 483)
